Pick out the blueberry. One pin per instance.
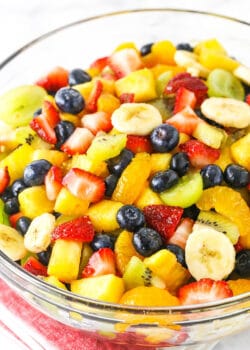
(164, 138)
(69, 100)
(110, 184)
(146, 49)
(17, 187)
(163, 180)
(63, 131)
(243, 262)
(23, 224)
(103, 241)
(44, 256)
(191, 212)
(212, 175)
(178, 252)
(11, 206)
(236, 176)
(130, 218)
(180, 163)
(35, 172)
(78, 76)
(117, 164)
(185, 47)
(147, 241)
(7, 194)
(56, 214)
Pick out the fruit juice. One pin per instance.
(128, 181)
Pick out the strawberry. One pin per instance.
(4, 178)
(163, 218)
(84, 185)
(53, 182)
(78, 142)
(125, 61)
(191, 83)
(128, 97)
(95, 122)
(184, 98)
(50, 113)
(33, 266)
(95, 93)
(185, 121)
(199, 154)
(238, 247)
(204, 291)
(79, 229)
(248, 187)
(100, 64)
(14, 217)
(248, 99)
(54, 80)
(182, 232)
(101, 262)
(138, 144)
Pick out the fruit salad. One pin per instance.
(128, 181)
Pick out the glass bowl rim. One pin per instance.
(17, 269)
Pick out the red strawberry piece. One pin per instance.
(14, 217)
(95, 93)
(127, 97)
(199, 154)
(238, 247)
(79, 229)
(248, 187)
(204, 291)
(185, 121)
(4, 178)
(138, 144)
(33, 266)
(54, 80)
(101, 262)
(95, 122)
(78, 142)
(84, 185)
(163, 218)
(184, 98)
(248, 99)
(191, 83)
(125, 61)
(50, 113)
(53, 182)
(182, 232)
(100, 63)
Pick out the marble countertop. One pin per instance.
(22, 21)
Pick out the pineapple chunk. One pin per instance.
(108, 103)
(160, 162)
(54, 157)
(106, 288)
(65, 260)
(54, 281)
(212, 60)
(240, 151)
(211, 45)
(70, 205)
(210, 135)
(147, 197)
(81, 161)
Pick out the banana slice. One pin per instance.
(12, 243)
(38, 236)
(227, 112)
(136, 118)
(190, 61)
(243, 73)
(209, 253)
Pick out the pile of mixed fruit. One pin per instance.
(128, 182)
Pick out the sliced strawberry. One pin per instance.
(191, 83)
(84, 185)
(204, 291)
(33, 266)
(4, 178)
(163, 218)
(78, 142)
(101, 262)
(14, 217)
(185, 121)
(138, 144)
(51, 114)
(100, 63)
(95, 122)
(128, 97)
(125, 61)
(184, 98)
(248, 99)
(199, 154)
(95, 93)
(79, 229)
(53, 182)
(182, 232)
(54, 80)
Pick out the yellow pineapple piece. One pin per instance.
(141, 83)
(53, 156)
(225, 158)
(164, 52)
(70, 205)
(212, 60)
(81, 161)
(65, 260)
(108, 103)
(54, 281)
(107, 288)
(147, 197)
(34, 202)
(158, 69)
(85, 89)
(239, 286)
(103, 215)
(160, 162)
(211, 45)
(240, 151)
(108, 85)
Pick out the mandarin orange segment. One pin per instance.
(239, 286)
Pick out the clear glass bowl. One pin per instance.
(77, 45)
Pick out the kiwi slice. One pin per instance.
(164, 105)
(222, 83)
(18, 105)
(4, 219)
(220, 223)
(162, 81)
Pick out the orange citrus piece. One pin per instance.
(239, 286)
